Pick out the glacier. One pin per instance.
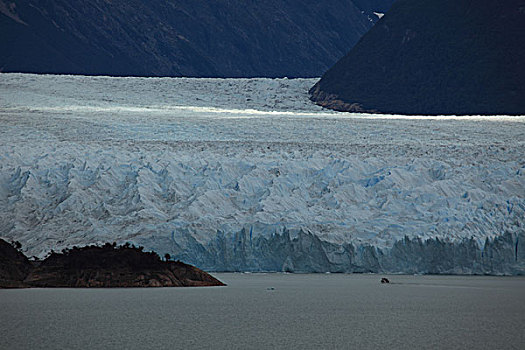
(249, 175)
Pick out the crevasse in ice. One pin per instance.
(248, 175)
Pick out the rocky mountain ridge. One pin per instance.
(176, 38)
(432, 57)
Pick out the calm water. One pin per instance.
(302, 311)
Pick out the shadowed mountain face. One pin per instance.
(434, 57)
(181, 38)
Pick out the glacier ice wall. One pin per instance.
(256, 178)
(305, 252)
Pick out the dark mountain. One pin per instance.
(94, 266)
(373, 6)
(434, 57)
(221, 38)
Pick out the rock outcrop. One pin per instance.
(14, 266)
(94, 266)
(432, 57)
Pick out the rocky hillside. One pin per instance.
(434, 57)
(14, 266)
(94, 266)
(224, 38)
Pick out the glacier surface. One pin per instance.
(249, 175)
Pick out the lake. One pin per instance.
(287, 311)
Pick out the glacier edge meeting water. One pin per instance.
(249, 175)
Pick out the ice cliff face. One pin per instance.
(306, 252)
(256, 178)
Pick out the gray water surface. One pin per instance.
(287, 311)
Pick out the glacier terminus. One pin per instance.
(249, 175)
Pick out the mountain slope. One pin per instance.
(434, 57)
(179, 38)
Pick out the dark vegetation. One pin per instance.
(14, 266)
(199, 38)
(97, 266)
(434, 57)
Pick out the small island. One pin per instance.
(106, 266)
